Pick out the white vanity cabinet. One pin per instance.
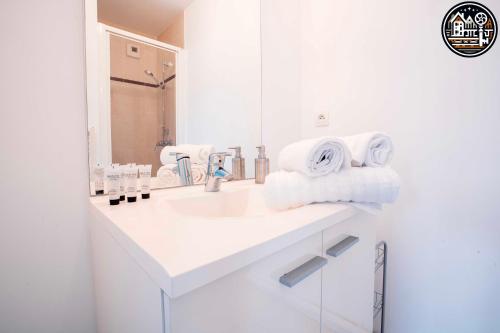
(348, 279)
(331, 294)
(337, 296)
(253, 300)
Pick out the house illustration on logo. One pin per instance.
(468, 32)
(463, 27)
(469, 29)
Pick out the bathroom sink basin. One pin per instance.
(246, 202)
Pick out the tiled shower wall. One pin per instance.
(136, 113)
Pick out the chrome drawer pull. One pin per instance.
(298, 274)
(342, 246)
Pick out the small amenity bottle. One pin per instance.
(131, 182)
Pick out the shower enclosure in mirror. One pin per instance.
(142, 105)
(166, 75)
(142, 101)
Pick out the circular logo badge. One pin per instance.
(469, 29)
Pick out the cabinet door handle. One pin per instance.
(298, 274)
(342, 246)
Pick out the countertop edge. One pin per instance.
(187, 282)
(183, 283)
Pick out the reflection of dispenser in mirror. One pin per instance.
(261, 165)
(184, 168)
(238, 164)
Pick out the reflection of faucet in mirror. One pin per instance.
(183, 168)
(216, 172)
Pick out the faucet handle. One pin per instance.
(220, 155)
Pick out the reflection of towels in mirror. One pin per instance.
(197, 153)
(199, 173)
(167, 176)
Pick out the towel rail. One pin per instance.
(379, 293)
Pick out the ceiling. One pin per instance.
(149, 17)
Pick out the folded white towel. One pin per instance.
(197, 153)
(167, 176)
(199, 173)
(315, 157)
(373, 149)
(285, 190)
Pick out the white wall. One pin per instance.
(45, 278)
(280, 75)
(222, 42)
(382, 65)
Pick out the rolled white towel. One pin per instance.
(165, 156)
(285, 190)
(373, 149)
(199, 173)
(167, 176)
(315, 157)
(197, 153)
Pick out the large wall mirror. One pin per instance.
(163, 74)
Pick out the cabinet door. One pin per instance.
(253, 300)
(348, 279)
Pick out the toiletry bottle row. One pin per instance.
(122, 182)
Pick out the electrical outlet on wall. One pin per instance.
(322, 119)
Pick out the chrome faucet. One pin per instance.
(216, 172)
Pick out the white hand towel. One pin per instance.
(285, 190)
(197, 153)
(167, 176)
(199, 173)
(315, 157)
(165, 156)
(373, 149)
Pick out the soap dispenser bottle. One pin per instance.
(261, 165)
(238, 170)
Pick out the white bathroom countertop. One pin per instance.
(181, 253)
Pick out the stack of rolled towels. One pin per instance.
(168, 175)
(331, 169)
